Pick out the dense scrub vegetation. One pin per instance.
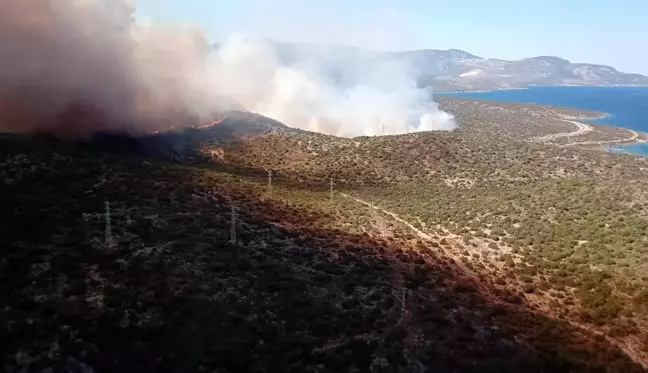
(564, 227)
(311, 284)
(443, 252)
(573, 240)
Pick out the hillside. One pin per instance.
(481, 250)
(523, 210)
(449, 70)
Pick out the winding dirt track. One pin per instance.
(633, 138)
(581, 130)
(418, 232)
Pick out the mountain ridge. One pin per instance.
(455, 69)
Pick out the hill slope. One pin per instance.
(310, 284)
(545, 220)
(472, 251)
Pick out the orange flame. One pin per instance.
(215, 122)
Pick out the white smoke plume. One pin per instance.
(72, 66)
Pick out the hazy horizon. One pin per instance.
(500, 29)
(343, 45)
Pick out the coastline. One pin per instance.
(600, 117)
(622, 148)
(574, 112)
(587, 116)
(528, 86)
(478, 90)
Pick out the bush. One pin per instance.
(529, 288)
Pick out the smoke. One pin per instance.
(73, 66)
(380, 97)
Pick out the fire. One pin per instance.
(215, 122)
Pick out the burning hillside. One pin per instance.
(78, 66)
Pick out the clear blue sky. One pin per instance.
(596, 31)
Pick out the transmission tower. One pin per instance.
(108, 238)
(233, 221)
(331, 183)
(269, 183)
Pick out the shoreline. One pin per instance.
(586, 118)
(619, 148)
(538, 86)
(576, 113)
(602, 116)
(479, 90)
(622, 148)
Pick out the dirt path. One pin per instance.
(418, 232)
(582, 129)
(633, 138)
(447, 235)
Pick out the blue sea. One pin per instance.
(627, 106)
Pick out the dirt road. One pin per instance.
(582, 129)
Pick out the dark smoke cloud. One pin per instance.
(73, 66)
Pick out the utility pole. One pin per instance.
(402, 299)
(233, 221)
(108, 239)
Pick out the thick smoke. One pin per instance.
(382, 97)
(72, 66)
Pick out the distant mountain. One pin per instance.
(480, 73)
(455, 69)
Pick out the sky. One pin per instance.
(605, 32)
